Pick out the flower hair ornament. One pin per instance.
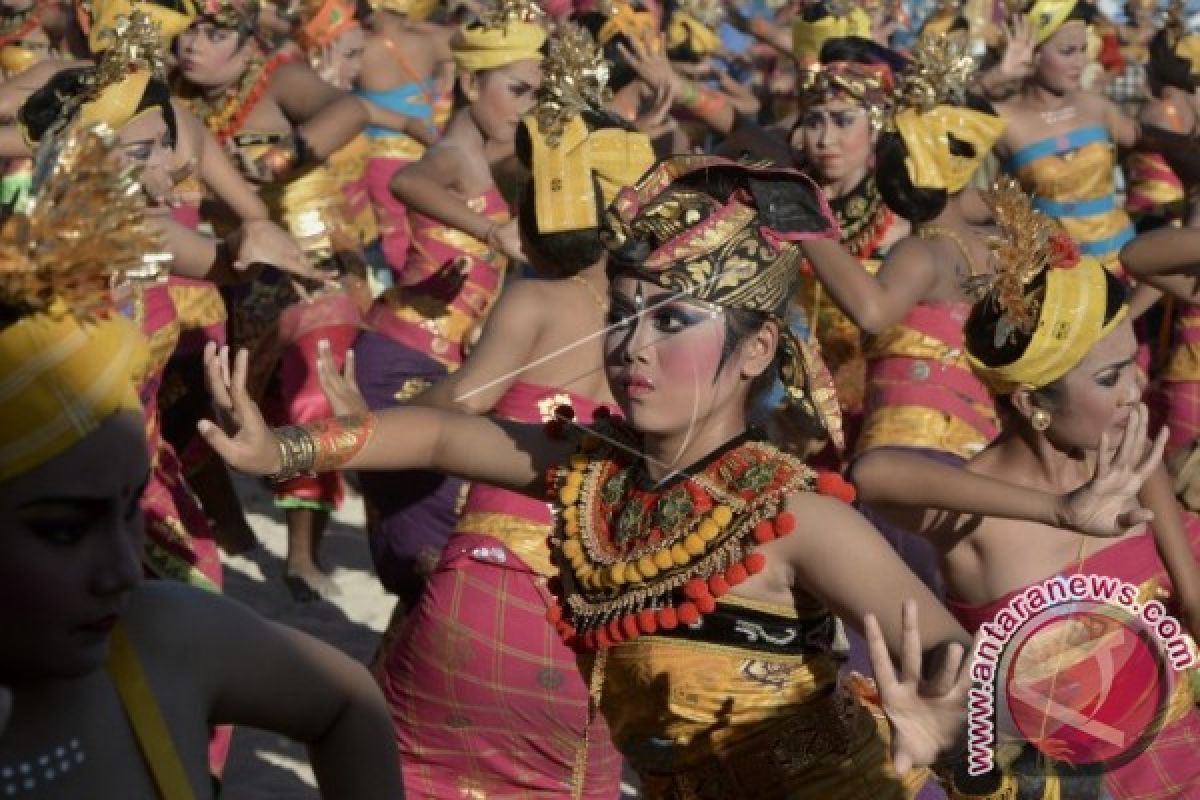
(1063, 315)
(68, 359)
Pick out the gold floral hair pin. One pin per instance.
(574, 78)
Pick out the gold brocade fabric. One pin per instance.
(918, 425)
(346, 166)
(524, 538)
(1185, 356)
(1079, 176)
(702, 721)
(311, 207)
(198, 306)
(400, 146)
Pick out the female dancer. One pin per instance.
(279, 120)
(502, 710)
(1061, 141)
(703, 263)
(407, 69)
(843, 100)
(114, 683)
(921, 393)
(462, 239)
(1053, 341)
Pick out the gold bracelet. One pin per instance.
(297, 453)
(324, 446)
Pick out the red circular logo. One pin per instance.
(1086, 687)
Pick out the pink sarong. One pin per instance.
(486, 699)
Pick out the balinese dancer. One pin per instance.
(280, 121)
(921, 393)
(540, 347)
(463, 239)
(1053, 340)
(407, 70)
(681, 529)
(844, 100)
(1061, 141)
(115, 682)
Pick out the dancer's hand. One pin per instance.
(1019, 44)
(1101, 506)
(340, 388)
(928, 717)
(506, 239)
(243, 439)
(260, 241)
(651, 64)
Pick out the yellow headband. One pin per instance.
(684, 28)
(926, 134)
(1047, 16)
(565, 196)
(59, 380)
(478, 48)
(170, 23)
(68, 363)
(116, 105)
(809, 37)
(1070, 322)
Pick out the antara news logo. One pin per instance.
(1082, 667)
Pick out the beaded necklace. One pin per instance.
(226, 115)
(635, 559)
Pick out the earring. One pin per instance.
(1040, 419)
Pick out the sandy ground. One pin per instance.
(263, 766)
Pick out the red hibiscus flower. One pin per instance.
(1064, 253)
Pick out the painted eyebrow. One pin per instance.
(1116, 365)
(89, 501)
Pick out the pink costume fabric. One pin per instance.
(1168, 768)
(486, 699)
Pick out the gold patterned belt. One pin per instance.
(402, 147)
(525, 538)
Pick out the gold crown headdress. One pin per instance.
(134, 55)
(939, 73)
(68, 362)
(1064, 317)
(568, 161)
(574, 77)
(233, 14)
(506, 32)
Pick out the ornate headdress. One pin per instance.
(737, 252)
(1064, 317)
(869, 85)
(844, 19)
(135, 55)
(624, 19)
(566, 157)
(930, 111)
(695, 22)
(107, 16)
(66, 364)
(233, 14)
(507, 32)
(1047, 16)
(323, 21)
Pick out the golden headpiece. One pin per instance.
(695, 22)
(323, 21)
(636, 25)
(232, 14)
(1047, 16)
(134, 56)
(844, 19)
(869, 85)
(566, 157)
(1065, 316)
(507, 32)
(930, 112)
(66, 364)
(735, 252)
(107, 16)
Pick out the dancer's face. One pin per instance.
(663, 358)
(210, 55)
(835, 137)
(1061, 59)
(70, 547)
(501, 97)
(342, 60)
(145, 141)
(1099, 394)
